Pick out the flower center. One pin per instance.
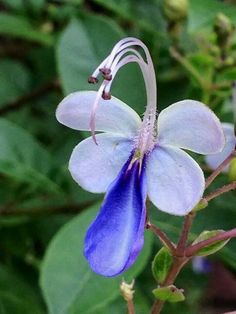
(125, 51)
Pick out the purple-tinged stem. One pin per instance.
(181, 246)
(224, 189)
(219, 169)
(162, 236)
(193, 249)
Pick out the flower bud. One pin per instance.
(223, 26)
(175, 10)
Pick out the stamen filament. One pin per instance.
(121, 54)
(94, 109)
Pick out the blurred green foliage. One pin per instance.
(47, 50)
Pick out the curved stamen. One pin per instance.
(121, 54)
(96, 72)
(110, 71)
(118, 64)
(94, 109)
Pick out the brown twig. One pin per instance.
(162, 236)
(224, 189)
(180, 250)
(179, 257)
(178, 264)
(130, 306)
(193, 249)
(219, 169)
(22, 101)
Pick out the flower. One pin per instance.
(213, 161)
(132, 158)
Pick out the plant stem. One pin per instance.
(224, 189)
(130, 306)
(219, 169)
(182, 253)
(188, 66)
(128, 293)
(180, 250)
(179, 257)
(193, 249)
(178, 264)
(162, 236)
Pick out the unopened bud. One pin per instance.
(223, 26)
(175, 10)
(127, 290)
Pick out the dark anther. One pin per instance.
(92, 80)
(105, 71)
(108, 77)
(106, 95)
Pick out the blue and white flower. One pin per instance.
(132, 159)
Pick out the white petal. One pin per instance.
(112, 115)
(213, 161)
(175, 181)
(93, 166)
(191, 125)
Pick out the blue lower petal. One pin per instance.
(114, 240)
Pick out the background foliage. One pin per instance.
(47, 50)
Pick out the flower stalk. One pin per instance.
(219, 169)
(182, 253)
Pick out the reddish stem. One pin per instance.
(130, 306)
(180, 250)
(222, 190)
(219, 169)
(162, 236)
(193, 249)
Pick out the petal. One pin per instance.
(191, 125)
(175, 181)
(213, 161)
(93, 166)
(115, 238)
(112, 115)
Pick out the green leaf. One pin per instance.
(80, 52)
(16, 296)
(203, 12)
(75, 1)
(68, 284)
(29, 5)
(210, 249)
(169, 294)
(146, 14)
(14, 78)
(23, 159)
(161, 264)
(18, 26)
